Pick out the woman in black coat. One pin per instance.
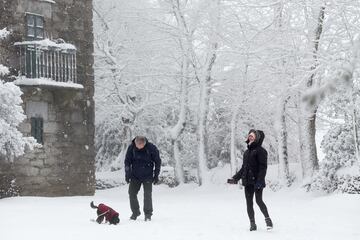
(252, 175)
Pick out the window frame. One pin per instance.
(37, 129)
(37, 26)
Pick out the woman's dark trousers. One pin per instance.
(249, 195)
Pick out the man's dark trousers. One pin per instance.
(134, 188)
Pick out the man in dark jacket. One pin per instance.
(142, 167)
(252, 175)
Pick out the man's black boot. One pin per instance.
(134, 216)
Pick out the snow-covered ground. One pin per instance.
(187, 212)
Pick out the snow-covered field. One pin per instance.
(188, 212)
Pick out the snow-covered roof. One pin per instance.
(47, 43)
(46, 82)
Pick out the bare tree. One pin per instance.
(310, 162)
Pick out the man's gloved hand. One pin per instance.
(232, 181)
(156, 180)
(127, 179)
(259, 185)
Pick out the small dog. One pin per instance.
(106, 212)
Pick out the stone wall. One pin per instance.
(64, 165)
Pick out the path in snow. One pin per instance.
(186, 213)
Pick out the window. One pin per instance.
(37, 131)
(34, 26)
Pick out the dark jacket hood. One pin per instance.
(259, 137)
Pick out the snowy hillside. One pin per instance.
(188, 212)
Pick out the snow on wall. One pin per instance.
(46, 82)
(49, 1)
(4, 33)
(3, 70)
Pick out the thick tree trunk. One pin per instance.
(202, 125)
(353, 96)
(282, 131)
(311, 161)
(176, 131)
(179, 170)
(238, 103)
(186, 46)
(205, 83)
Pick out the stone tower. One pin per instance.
(50, 54)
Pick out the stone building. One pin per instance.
(50, 55)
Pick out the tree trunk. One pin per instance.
(203, 174)
(185, 40)
(300, 132)
(202, 125)
(282, 143)
(353, 96)
(179, 170)
(233, 162)
(356, 136)
(281, 127)
(311, 161)
(176, 131)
